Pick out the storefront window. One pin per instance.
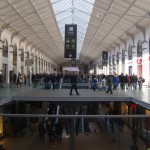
(139, 49)
(130, 53)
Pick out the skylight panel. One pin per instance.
(73, 12)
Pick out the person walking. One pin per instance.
(73, 81)
(19, 80)
(59, 130)
(135, 80)
(109, 84)
(31, 127)
(94, 83)
(115, 82)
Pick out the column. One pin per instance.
(38, 66)
(34, 65)
(10, 60)
(134, 59)
(145, 62)
(18, 61)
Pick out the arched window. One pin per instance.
(14, 55)
(139, 49)
(130, 53)
(5, 48)
(22, 55)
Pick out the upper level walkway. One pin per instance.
(28, 93)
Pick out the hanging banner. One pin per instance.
(118, 57)
(105, 58)
(70, 47)
(113, 60)
(123, 56)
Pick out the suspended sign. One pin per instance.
(70, 68)
(139, 49)
(70, 47)
(123, 56)
(114, 60)
(130, 53)
(104, 58)
(28, 62)
(118, 57)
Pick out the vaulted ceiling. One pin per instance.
(101, 23)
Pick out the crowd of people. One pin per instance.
(111, 82)
(100, 81)
(50, 127)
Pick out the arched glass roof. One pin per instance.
(73, 12)
(102, 24)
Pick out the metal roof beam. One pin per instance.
(142, 29)
(57, 1)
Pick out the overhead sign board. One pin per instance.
(104, 58)
(70, 46)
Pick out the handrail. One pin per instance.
(76, 116)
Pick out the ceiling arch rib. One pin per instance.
(115, 24)
(108, 8)
(46, 48)
(42, 21)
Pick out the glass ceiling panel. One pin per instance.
(73, 12)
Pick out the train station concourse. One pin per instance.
(74, 74)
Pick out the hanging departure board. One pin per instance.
(70, 47)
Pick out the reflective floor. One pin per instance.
(93, 141)
(96, 139)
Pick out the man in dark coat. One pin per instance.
(59, 130)
(109, 84)
(73, 80)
